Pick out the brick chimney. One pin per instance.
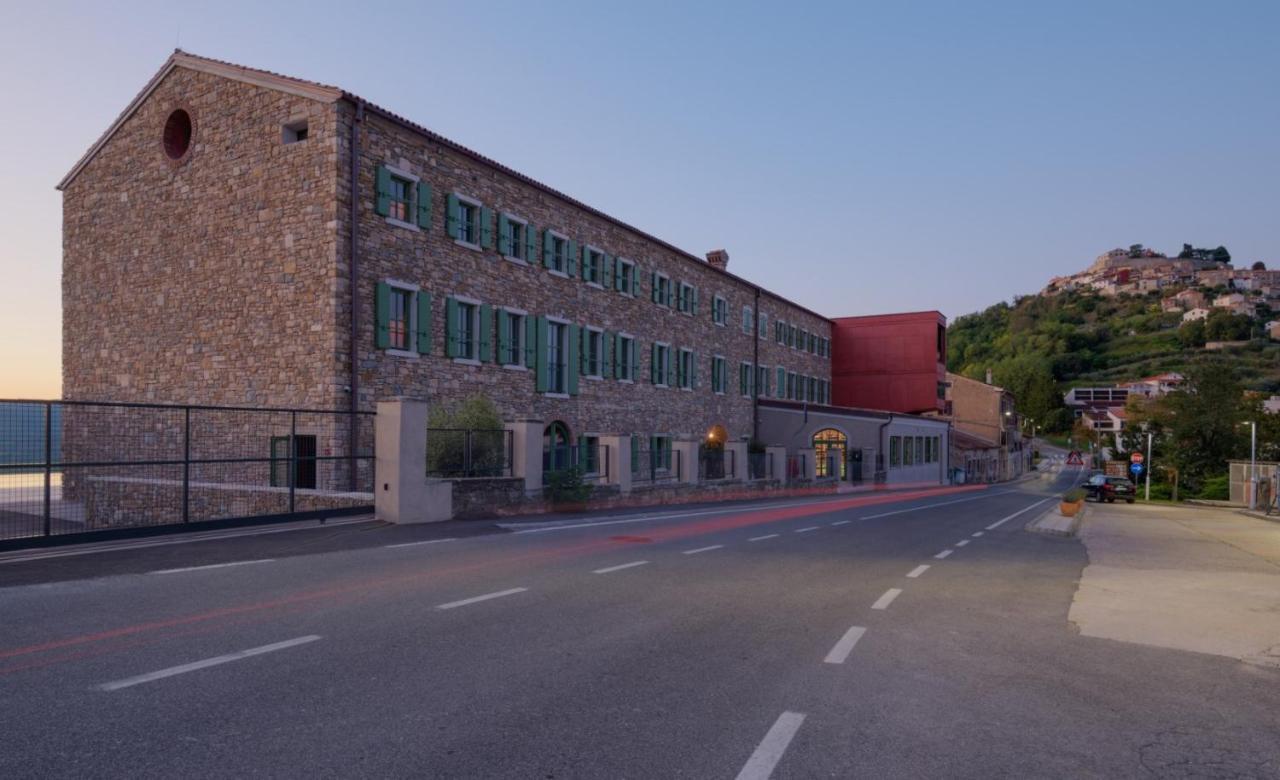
(718, 258)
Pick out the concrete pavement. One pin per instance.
(919, 637)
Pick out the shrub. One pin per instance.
(1215, 488)
(446, 448)
(566, 486)
(1073, 495)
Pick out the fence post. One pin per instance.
(617, 455)
(402, 492)
(186, 464)
(736, 451)
(526, 455)
(293, 457)
(777, 463)
(808, 464)
(687, 450)
(48, 468)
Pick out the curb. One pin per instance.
(1051, 523)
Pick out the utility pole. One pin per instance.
(1148, 493)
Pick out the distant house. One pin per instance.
(1228, 300)
(1154, 386)
(1170, 304)
(1273, 330)
(1198, 313)
(1191, 299)
(1272, 405)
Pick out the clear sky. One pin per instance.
(857, 157)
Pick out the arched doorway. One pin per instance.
(829, 446)
(711, 454)
(557, 455)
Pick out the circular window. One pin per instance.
(177, 134)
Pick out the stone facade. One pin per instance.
(222, 276)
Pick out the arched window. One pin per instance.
(829, 447)
(556, 453)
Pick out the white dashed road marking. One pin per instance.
(762, 538)
(213, 566)
(769, 752)
(806, 530)
(978, 533)
(619, 567)
(962, 543)
(842, 649)
(943, 554)
(415, 544)
(703, 549)
(884, 601)
(478, 599)
(206, 663)
(841, 522)
(917, 571)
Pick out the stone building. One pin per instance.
(241, 237)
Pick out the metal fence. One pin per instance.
(760, 465)
(459, 453)
(715, 463)
(591, 459)
(797, 467)
(69, 467)
(655, 466)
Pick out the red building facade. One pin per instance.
(893, 362)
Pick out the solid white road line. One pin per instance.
(478, 599)
(884, 601)
(619, 567)
(1004, 520)
(806, 530)
(943, 554)
(213, 566)
(917, 571)
(962, 543)
(415, 544)
(842, 649)
(762, 538)
(841, 522)
(976, 534)
(702, 549)
(205, 664)
(769, 752)
(940, 503)
(676, 516)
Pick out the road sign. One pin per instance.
(1136, 468)
(1136, 458)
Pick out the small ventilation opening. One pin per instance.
(295, 132)
(177, 134)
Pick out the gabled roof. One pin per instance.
(331, 94)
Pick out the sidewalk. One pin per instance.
(1199, 579)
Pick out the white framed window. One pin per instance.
(762, 380)
(748, 321)
(764, 325)
(558, 262)
(466, 329)
(661, 364)
(512, 337)
(719, 376)
(799, 342)
(468, 221)
(593, 266)
(593, 353)
(791, 386)
(402, 318)
(780, 332)
(557, 357)
(684, 369)
(402, 198)
(719, 310)
(625, 357)
(662, 289)
(745, 378)
(624, 277)
(686, 297)
(513, 238)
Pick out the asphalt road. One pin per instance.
(790, 638)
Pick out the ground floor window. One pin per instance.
(304, 470)
(556, 453)
(829, 446)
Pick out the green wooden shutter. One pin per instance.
(548, 249)
(542, 380)
(504, 235)
(451, 327)
(486, 333)
(670, 294)
(382, 316)
(635, 281)
(680, 378)
(692, 379)
(781, 389)
(585, 268)
(635, 453)
(504, 337)
(572, 363)
(635, 361)
(606, 354)
(693, 307)
(617, 274)
(571, 258)
(617, 356)
(666, 364)
(453, 219)
(582, 350)
(531, 342)
(486, 227)
(653, 364)
(606, 271)
(424, 205)
(530, 244)
(653, 286)
(424, 323)
(382, 192)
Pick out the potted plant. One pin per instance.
(1072, 500)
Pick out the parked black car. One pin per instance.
(1101, 488)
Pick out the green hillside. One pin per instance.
(1042, 345)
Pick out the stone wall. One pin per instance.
(113, 502)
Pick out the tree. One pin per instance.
(466, 439)
(1192, 334)
(1259, 266)
(1221, 255)
(1030, 379)
(1222, 325)
(1203, 421)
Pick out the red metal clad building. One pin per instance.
(894, 362)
